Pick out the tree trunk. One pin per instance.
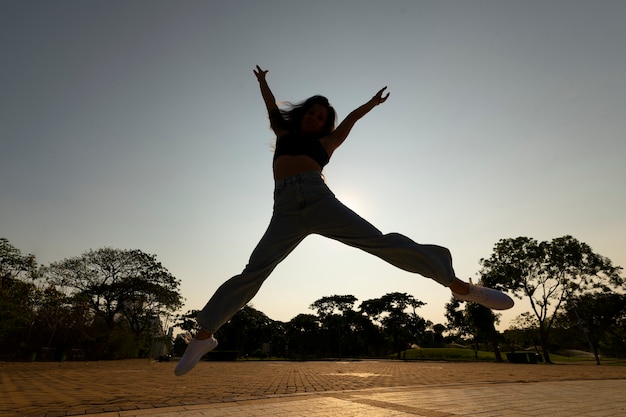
(496, 347)
(543, 338)
(595, 353)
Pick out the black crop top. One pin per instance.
(293, 144)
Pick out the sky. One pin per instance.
(140, 125)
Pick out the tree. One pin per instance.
(125, 289)
(522, 332)
(614, 343)
(247, 331)
(390, 311)
(187, 321)
(14, 264)
(18, 300)
(596, 314)
(439, 340)
(327, 306)
(457, 321)
(303, 332)
(18, 304)
(475, 321)
(483, 322)
(333, 312)
(547, 274)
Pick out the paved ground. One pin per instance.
(350, 388)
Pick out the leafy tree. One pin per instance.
(438, 330)
(13, 264)
(597, 314)
(615, 341)
(482, 321)
(363, 337)
(187, 321)
(18, 300)
(334, 315)
(522, 332)
(547, 274)
(18, 304)
(303, 332)
(400, 326)
(123, 288)
(475, 321)
(327, 306)
(458, 324)
(52, 316)
(246, 331)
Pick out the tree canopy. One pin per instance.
(548, 274)
(112, 303)
(119, 284)
(13, 263)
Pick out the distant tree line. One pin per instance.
(104, 304)
(114, 304)
(378, 328)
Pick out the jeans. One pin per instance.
(304, 205)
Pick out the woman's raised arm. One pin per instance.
(268, 97)
(340, 134)
(270, 101)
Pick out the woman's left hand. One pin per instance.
(379, 98)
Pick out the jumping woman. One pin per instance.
(306, 138)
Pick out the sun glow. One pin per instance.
(357, 203)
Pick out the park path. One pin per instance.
(141, 387)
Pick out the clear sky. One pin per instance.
(139, 125)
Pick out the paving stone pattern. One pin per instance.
(329, 388)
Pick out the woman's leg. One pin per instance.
(280, 239)
(285, 231)
(338, 222)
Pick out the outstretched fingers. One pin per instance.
(379, 97)
(260, 73)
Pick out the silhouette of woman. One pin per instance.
(303, 205)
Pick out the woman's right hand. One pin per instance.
(260, 74)
(379, 98)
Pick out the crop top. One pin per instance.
(293, 144)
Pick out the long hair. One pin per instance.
(291, 117)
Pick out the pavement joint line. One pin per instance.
(386, 405)
(137, 388)
(347, 395)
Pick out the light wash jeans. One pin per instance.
(303, 205)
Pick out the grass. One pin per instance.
(468, 355)
(446, 354)
(452, 355)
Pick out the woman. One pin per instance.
(303, 204)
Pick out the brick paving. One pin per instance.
(342, 388)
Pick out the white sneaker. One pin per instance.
(486, 297)
(194, 352)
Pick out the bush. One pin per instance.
(223, 355)
(446, 354)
